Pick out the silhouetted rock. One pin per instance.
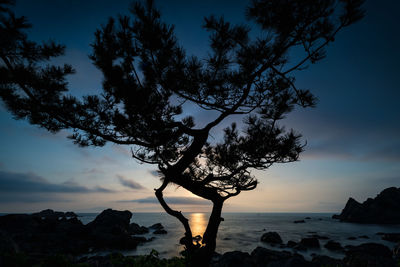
(307, 218)
(160, 232)
(50, 232)
(136, 229)
(110, 229)
(45, 233)
(271, 238)
(363, 236)
(396, 252)
(369, 254)
(271, 258)
(333, 246)
(351, 238)
(291, 244)
(392, 237)
(234, 259)
(321, 260)
(156, 226)
(299, 221)
(383, 209)
(321, 237)
(310, 242)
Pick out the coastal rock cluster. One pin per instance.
(49, 232)
(369, 254)
(383, 209)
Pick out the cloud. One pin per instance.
(31, 198)
(12, 182)
(171, 200)
(129, 183)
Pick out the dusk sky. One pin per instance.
(353, 135)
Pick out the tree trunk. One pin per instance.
(202, 256)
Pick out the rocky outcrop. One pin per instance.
(111, 229)
(333, 246)
(310, 242)
(271, 238)
(370, 254)
(136, 229)
(383, 209)
(391, 237)
(52, 232)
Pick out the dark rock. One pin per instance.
(156, 226)
(110, 229)
(113, 221)
(262, 256)
(369, 254)
(333, 246)
(295, 261)
(271, 258)
(352, 238)
(136, 229)
(50, 232)
(392, 237)
(291, 244)
(310, 242)
(383, 209)
(234, 259)
(300, 247)
(363, 236)
(327, 261)
(321, 237)
(160, 232)
(271, 238)
(396, 252)
(307, 218)
(299, 221)
(336, 216)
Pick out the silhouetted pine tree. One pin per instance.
(148, 78)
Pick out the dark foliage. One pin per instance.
(148, 78)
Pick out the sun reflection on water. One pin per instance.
(198, 223)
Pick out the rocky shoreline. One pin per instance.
(52, 232)
(383, 209)
(61, 238)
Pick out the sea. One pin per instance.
(242, 231)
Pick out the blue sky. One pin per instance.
(353, 144)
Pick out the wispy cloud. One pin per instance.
(129, 183)
(13, 182)
(171, 200)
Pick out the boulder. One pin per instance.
(156, 226)
(271, 258)
(111, 229)
(333, 246)
(271, 238)
(299, 221)
(136, 229)
(160, 232)
(391, 237)
(321, 237)
(113, 221)
(291, 244)
(320, 260)
(383, 209)
(396, 252)
(234, 259)
(369, 254)
(310, 242)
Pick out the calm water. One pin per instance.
(242, 231)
